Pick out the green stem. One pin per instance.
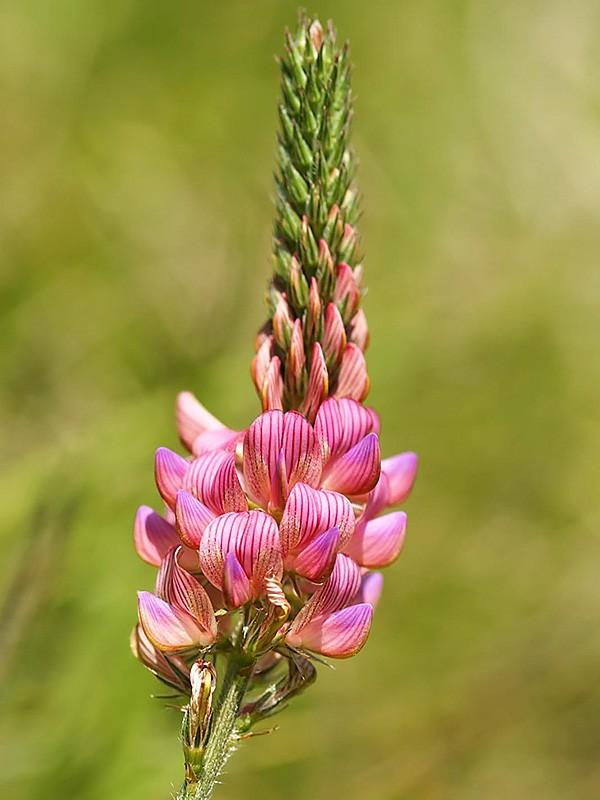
(221, 739)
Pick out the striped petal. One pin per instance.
(153, 536)
(378, 542)
(301, 450)
(316, 560)
(353, 379)
(342, 423)
(318, 383)
(357, 471)
(338, 635)
(193, 419)
(169, 472)
(401, 471)
(212, 478)
(262, 445)
(259, 548)
(236, 586)
(310, 512)
(338, 590)
(173, 671)
(169, 628)
(192, 518)
(276, 440)
(181, 590)
(254, 539)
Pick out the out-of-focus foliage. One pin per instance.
(136, 149)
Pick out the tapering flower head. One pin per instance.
(270, 538)
(312, 344)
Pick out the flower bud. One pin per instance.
(198, 714)
(282, 320)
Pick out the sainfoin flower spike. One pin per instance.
(268, 541)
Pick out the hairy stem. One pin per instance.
(221, 739)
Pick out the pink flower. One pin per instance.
(180, 615)
(330, 623)
(248, 511)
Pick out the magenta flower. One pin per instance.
(270, 540)
(288, 502)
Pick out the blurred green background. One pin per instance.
(136, 151)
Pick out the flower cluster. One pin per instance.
(271, 538)
(282, 522)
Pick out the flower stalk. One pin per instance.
(201, 779)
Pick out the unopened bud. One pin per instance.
(348, 243)
(198, 713)
(346, 293)
(294, 369)
(316, 35)
(325, 269)
(282, 320)
(314, 321)
(310, 249)
(298, 285)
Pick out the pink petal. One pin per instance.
(169, 628)
(270, 435)
(236, 586)
(223, 439)
(301, 449)
(169, 471)
(309, 512)
(172, 670)
(341, 586)
(371, 586)
(212, 478)
(378, 499)
(338, 635)
(182, 591)
(262, 445)
(318, 383)
(153, 536)
(254, 539)
(342, 423)
(316, 560)
(379, 542)
(193, 419)
(192, 518)
(334, 336)
(357, 471)
(259, 549)
(353, 379)
(401, 471)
